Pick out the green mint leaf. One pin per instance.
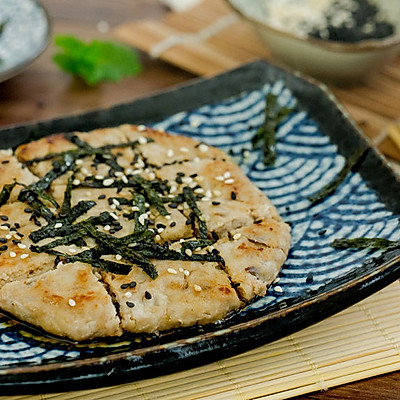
(97, 61)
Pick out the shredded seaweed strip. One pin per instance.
(83, 152)
(265, 137)
(363, 243)
(190, 199)
(351, 165)
(6, 192)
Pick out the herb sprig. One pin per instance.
(97, 61)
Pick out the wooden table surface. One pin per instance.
(43, 91)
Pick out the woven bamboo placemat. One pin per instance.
(210, 38)
(360, 342)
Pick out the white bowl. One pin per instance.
(330, 61)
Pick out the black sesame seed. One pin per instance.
(322, 232)
(6, 224)
(258, 221)
(162, 226)
(180, 173)
(215, 252)
(309, 278)
(3, 240)
(117, 228)
(4, 217)
(178, 180)
(16, 241)
(194, 175)
(5, 161)
(111, 231)
(102, 196)
(125, 286)
(173, 205)
(188, 222)
(233, 196)
(4, 247)
(172, 224)
(132, 284)
(215, 203)
(130, 304)
(28, 210)
(17, 225)
(147, 295)
(214, 235)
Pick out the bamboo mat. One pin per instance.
(360, 342)
(210, 38)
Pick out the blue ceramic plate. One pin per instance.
(315, 282)
(24, 34)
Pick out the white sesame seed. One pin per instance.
(157, 237)
(113, 207)
(128, 171)
(142, 218)
(72, 250)
(205, 198)
(142, 128)
(186, 272)
(199, 190)
(84, 171)
(277, 279)
(135, 208)
(21, 245)
(187, 179)
(217, 193)
(227, 174)
(12, 254)
(107, 227)
(8, 236)
(152, 175)
(172, 271)
(237, 236)
(203, 148)
(142, 140)
(118, 257)
(76, 182)
(197, 288)
(160, 230)
(4, 228)
(23, 256)
(181, 269)
(108, 182)
(116, 202)
(196, 159)
(168, 217)
(278, 289)
(219, 178)
(118, 173)
(208, 193)
(115, 216)
(188, 252)
(79, 162)
(184, 150)
(170, 153)
(199, 178)
(229, 181)
(173, 189)
(72, 302)
(124, 179)
(99, 177)
(128, 295)
(182, 240)
(146, 204)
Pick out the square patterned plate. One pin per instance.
(315, 282)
